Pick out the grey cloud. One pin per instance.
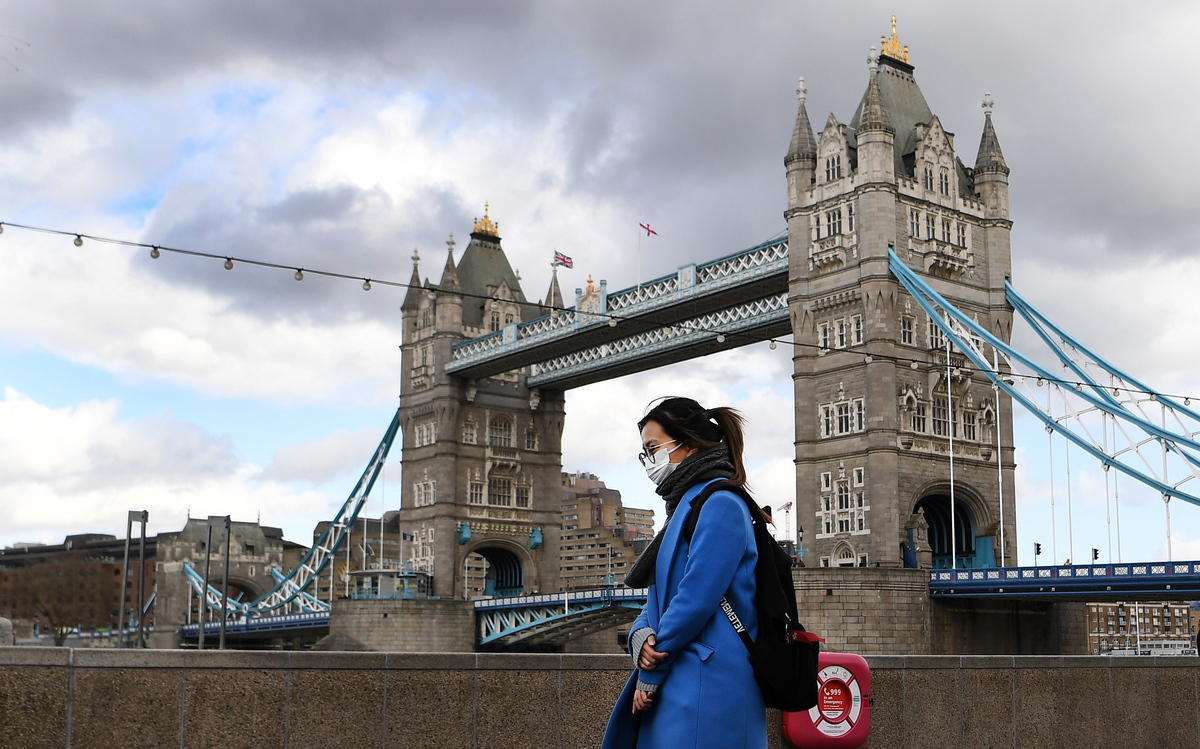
(329, 204)
(29, 105)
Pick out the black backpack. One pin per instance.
(784, 657)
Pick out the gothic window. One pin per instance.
(946, 231)
(970, 428)
(833, 222)
(914, 224)
(928, 177)
(475, 493)
(470, 432)
(859, 479)
(843, 495)
(826, 479)
(850, 217)
(944, 422)
(500, 491)
(531, 440)
(843, 418)
(906, 331)
(500, 432)
(823, 335)
(425, 492)
(962, 234)
(427, 316)
(833, 167)
(508, 318)
(494, 324)
(937, 339)
(857, 325)
(523, 496)
(919, 423)
(944, 181)
(426, 433)
(840, 341)
(930, 226)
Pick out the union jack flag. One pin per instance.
(563, 260)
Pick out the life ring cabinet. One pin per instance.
(841, 718)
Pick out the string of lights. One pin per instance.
(230, 261)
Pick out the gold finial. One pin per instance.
(485, 226)
(891, 47)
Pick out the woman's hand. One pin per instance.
(642, 700)
(649, 657)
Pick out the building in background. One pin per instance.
(601, 537)
(1157, 628)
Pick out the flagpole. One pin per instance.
(639, 256)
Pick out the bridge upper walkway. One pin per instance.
(669, 319)
(1124, 581)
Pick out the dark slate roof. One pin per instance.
(990, 157)
(484, 264)
(804, 144)
(906, 107)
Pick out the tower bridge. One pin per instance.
(894, 276)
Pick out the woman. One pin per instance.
(693, 685)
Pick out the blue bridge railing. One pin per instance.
(1101, 581)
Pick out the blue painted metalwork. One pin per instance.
(252, 625)
(1160, 580)
(555, 617)
(290, 589)
(953, 324)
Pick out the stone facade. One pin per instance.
(872, 458)
(482, 458)
(404, 625)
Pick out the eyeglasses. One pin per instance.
(648, 453)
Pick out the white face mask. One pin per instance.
(658, 466)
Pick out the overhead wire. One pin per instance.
(368, 282)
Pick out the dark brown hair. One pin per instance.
(695, 426)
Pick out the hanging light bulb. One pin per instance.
(913, 364)
(1187, 401)
(299, 275)
(1116, 393)
(720, 337)
(1079, 387)
(612, 322)
(228, 263)
(366, 284)
(1040, 382)
(154, 253)
(78, 241)
(1153, 397)
(774, 345)
(868, 359)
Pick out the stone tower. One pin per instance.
(873, 431)
(482, 458)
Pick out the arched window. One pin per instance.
(500, 432)
(531, 440)
(494, 326)
(845, 557)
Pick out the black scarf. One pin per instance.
(703, 465)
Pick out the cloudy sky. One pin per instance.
(343, 136)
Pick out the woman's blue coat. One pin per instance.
(707, 697)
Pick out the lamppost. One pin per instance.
(800, 538)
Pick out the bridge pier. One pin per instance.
(405, 625)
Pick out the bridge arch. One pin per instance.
(508, 567)
(973, 546)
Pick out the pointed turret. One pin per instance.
(450, 272)
(874, 116)
(876, 136)
(412, 299)
(554, 297)
(990, 158)
(801, 159)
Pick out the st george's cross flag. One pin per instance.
(563, 260)
(649, 231)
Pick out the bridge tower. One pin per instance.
(873, 432)
(482, 457)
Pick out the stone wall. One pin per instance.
(866, 610)
(55, 697)
(411, 626)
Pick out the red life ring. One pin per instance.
(841, 718)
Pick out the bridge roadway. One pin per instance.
(659, 322)
(1125, 581)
